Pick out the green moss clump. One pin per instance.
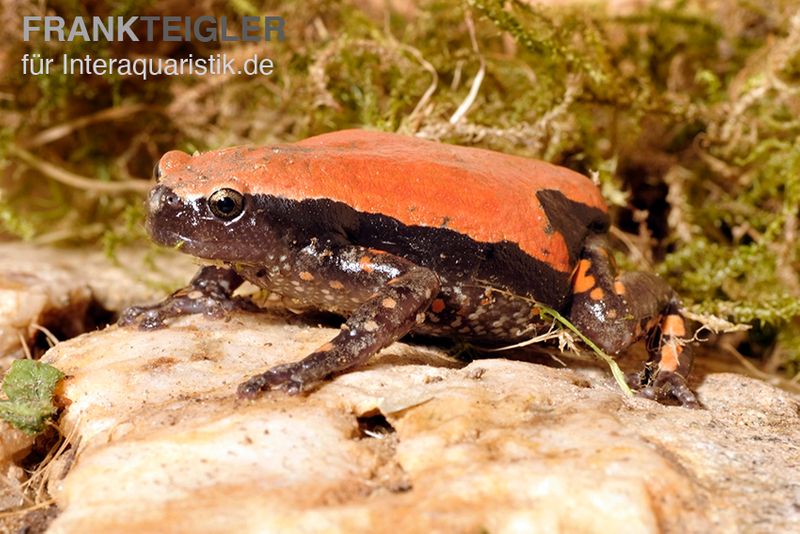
(29, 387)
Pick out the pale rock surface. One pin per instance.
(164, 445)
(45, 286)
(61, 290)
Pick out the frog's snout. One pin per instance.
(161, 196)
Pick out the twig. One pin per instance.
(62, 130)
(76, 180)
(51, 338)
(23, 511)
(426, 96)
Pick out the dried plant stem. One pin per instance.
(62, 130)
(76, 180)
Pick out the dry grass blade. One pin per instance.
(477, 81)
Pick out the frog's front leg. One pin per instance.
(396, 293)
(210, 292)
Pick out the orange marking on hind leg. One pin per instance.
(583, 281)
(673, 325)
(670, 353)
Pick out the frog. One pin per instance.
(400, 235)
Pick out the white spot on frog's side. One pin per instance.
(371, 326)
(420, 317)
(456, 323)
(194, 295)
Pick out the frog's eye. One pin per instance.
(227, 204)
(157, 172)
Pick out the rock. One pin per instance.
(412, 442)
(69, 292)
(14, 444)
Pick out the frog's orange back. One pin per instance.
(488, 196)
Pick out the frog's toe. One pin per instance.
(636, 380)
(147, 317)
(281, 376)
(130, 315)
(669, 385)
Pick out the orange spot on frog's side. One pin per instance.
(365, 262)
(335, 284)
(597, 293)
(619, 287)
(583, 281)
(673, 325)
(437, 306)
(326, 347)
(307, 276)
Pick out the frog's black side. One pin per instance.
(390, 278)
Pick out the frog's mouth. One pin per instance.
(188, 224)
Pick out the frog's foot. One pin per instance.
(662, 385)
(287, 377)
(182, 303)
(210, 293)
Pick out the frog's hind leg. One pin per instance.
(396, 294)
(615, 311)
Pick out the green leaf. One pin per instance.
(29, 386)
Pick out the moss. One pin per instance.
(695, 104)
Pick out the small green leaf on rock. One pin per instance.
(29, 387)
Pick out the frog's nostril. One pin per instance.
(171, 200)
(161, 197)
